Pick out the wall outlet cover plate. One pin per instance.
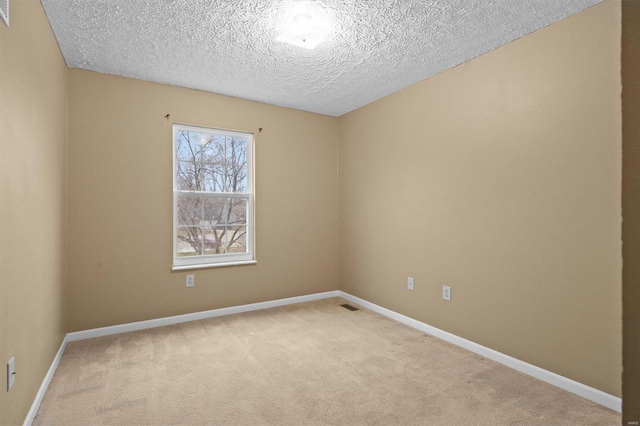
(191, 280)
(446, 293)
(410, 283)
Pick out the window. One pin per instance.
(212, 197)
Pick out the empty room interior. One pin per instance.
(464, 175)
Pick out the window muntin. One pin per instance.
(213, 200)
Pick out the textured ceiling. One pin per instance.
(375, 47)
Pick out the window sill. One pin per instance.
(213, 265)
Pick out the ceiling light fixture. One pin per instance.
(304, 27)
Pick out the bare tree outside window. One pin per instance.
(212, 197)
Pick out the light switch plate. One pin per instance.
(11, 373)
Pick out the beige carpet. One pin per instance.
(308, 364)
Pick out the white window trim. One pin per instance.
(213, 265)
(218, 260)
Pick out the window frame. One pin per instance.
(214, 260)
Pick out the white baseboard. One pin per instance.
(160, 322)
(580, 389)
(587, 392)
(31, 415)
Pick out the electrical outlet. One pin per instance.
(410, 283)
(11, 373)
(191, 280)
(446, 293)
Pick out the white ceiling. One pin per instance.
(375, 48)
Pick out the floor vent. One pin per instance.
(349, 307)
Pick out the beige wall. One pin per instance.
(33, 126)
(500, 178)
(120, 195)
